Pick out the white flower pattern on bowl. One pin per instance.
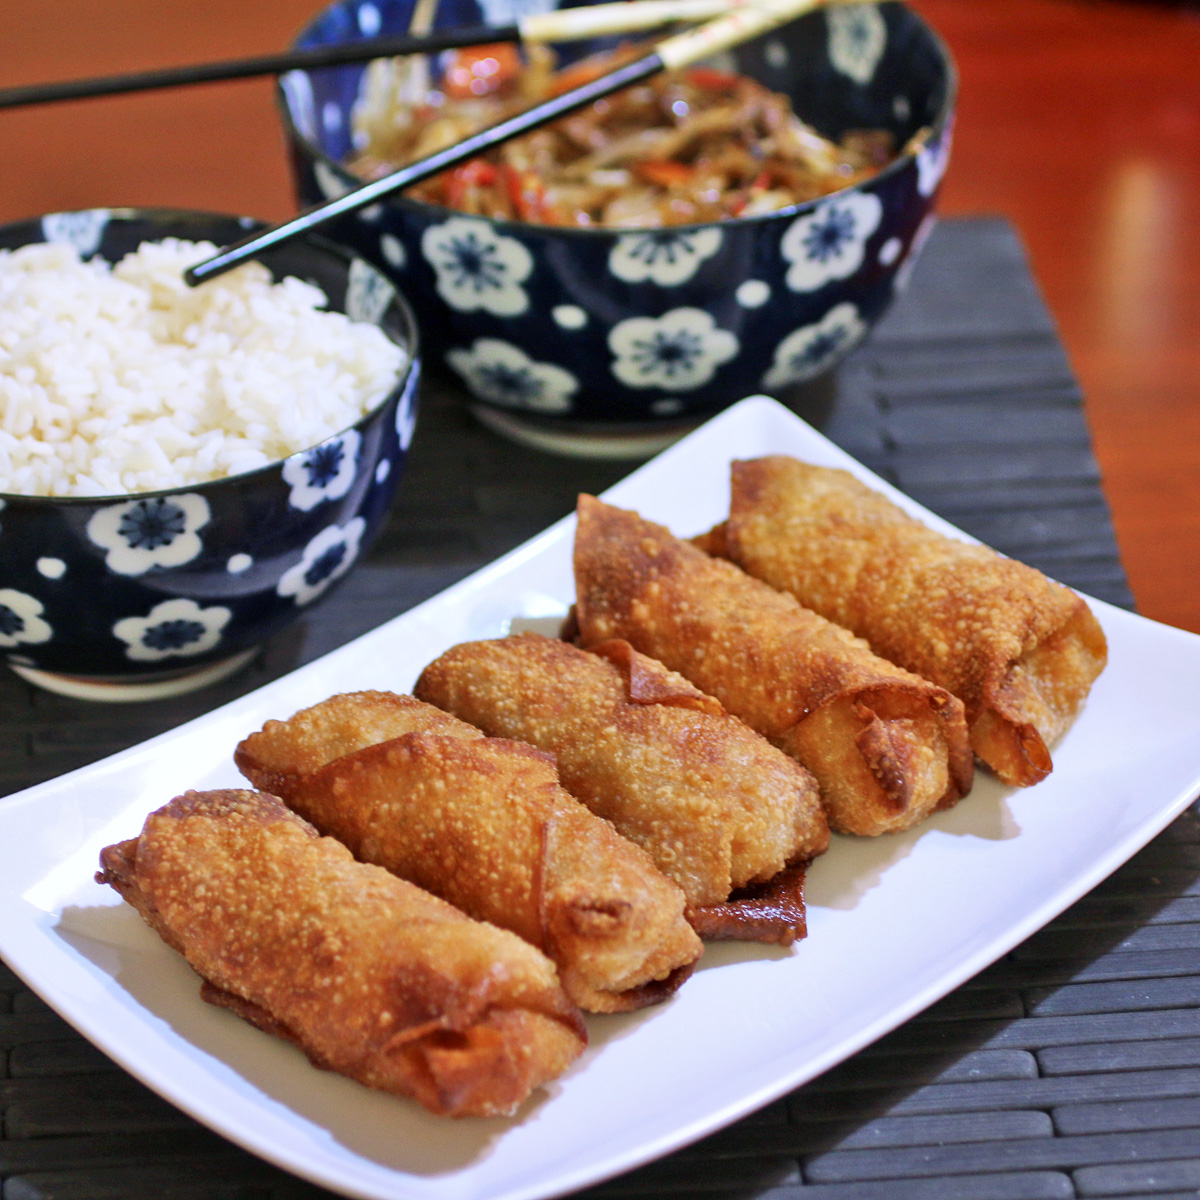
(807, 351)
(666, 408)
(406, 414)
(932, 160)
(908, 264)
(569, 316)
(857, 40)
(392, 249)
(503, 374)
(666, 257)
(332, 185)
(21, 619)
(478, 268)
(368, 293)
(676, 352)
(322, 473)
(51, 568)
(369, 20)
(508, 12)
(327, 557)
(297, 89)
(829, 243)
(754, 293)
(890, 251)
(175, 628)
(159, 531)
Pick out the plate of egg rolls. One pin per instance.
(647, 823)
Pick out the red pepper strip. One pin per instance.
(761, 182)
(577, 75)
(663, 172)
(593, 67)
(455, 188)
(469, 73)
(475, 172)
(526, 192)
(710, 79)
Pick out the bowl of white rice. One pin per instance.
(184, 472)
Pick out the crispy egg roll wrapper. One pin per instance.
(887, 747)
(369, 975)
(715, 805)
(1019, 650)
(764, 912)
(484, 823)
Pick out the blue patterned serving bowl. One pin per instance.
(611, 328)
(151, 593)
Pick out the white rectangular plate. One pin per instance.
(894, 922)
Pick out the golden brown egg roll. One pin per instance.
(484, 823)
(284, 751)
(1019, 650)
(887, 747)
(370, 976)
(716, 806)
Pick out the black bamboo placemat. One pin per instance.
(1069, 1068)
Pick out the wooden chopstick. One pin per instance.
(675, 52)
(567, 25)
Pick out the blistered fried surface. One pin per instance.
(338, 726)
(484, 823)
(776, 666)
(1006, 640)
(881, 758)
(714, 804)
(371, 976)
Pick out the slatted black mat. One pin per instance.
(1069, 1068)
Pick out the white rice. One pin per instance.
(124, 379)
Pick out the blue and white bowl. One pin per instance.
(96, 593)
(595, 327)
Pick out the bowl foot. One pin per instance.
(119, 691)
(617, 442)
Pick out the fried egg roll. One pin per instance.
(483, 823)
(1019, 650)
(714, 804)
(887, 747)
(370, 976)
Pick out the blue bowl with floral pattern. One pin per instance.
(154, 593)
(616, 328)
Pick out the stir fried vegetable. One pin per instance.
(690, 146)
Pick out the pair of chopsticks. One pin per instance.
(741, 20)
(745, 21)
(566, 25)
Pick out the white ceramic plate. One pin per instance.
(894, 922)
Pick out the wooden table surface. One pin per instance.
(1080, 121)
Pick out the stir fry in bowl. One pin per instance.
(706, 265)
(685, 147)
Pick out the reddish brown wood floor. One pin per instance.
(1080, 121)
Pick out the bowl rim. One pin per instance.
(317, 241)
(937, 129)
